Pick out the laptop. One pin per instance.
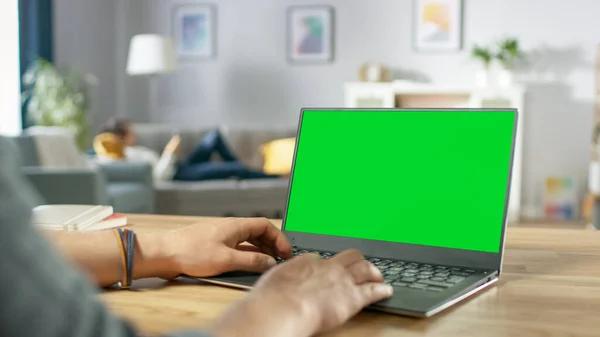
(422, 193)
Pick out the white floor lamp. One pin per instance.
(151, 55)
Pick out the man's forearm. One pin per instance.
(98, 254)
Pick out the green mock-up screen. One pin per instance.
(434, 178)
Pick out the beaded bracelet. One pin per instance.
(126, 240)
(130, 251)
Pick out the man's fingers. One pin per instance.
(265, 248)
(348, 257)
(250, 261)
(263, 230)
(364, 271)
(248, 248)
(372, 292)
(311, 256)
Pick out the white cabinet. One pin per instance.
(402, 94)
(372, 95)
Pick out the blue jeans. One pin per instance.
(198, 166)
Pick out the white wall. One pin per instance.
(84, 39)
(251, 82)
(10, 101)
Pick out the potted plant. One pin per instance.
(509, 54)
(51, 98)
(485, 56)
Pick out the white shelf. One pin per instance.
(406, 94)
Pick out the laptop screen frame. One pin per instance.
(397, 250)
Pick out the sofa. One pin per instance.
(127, 187)
(229, 197)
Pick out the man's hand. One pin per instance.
(305, 296)
(173, 146)
(218, 247)
(198, 250)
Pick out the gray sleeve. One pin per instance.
(42, 295)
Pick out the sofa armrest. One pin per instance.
(68, 186)
(128, 172)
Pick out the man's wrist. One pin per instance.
(153, 257)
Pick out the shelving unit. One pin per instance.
(403, 94)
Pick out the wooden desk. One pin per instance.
(550, 286)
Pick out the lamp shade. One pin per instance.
(150, 54)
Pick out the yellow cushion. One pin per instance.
(278, 155)
(108, 146)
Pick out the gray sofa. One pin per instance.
(255, 197)
(128, 187)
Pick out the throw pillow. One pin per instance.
(278, 155)
(108, 146)
(56, 147)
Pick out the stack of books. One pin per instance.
(77, 217)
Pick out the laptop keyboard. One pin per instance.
(406, 274)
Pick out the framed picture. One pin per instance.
(560, 198)
(194, 31)
(310, 33)
(438, 25)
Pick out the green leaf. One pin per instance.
(509, 52)
(482, 54)
(55, 98)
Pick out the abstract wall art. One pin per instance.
(310, 34)
(437, 25)
(194, 31)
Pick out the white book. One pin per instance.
(113, 221)
(70, 217)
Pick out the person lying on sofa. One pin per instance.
(117, 141)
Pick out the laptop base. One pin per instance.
(405, 301)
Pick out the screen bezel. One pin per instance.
(395, 250)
